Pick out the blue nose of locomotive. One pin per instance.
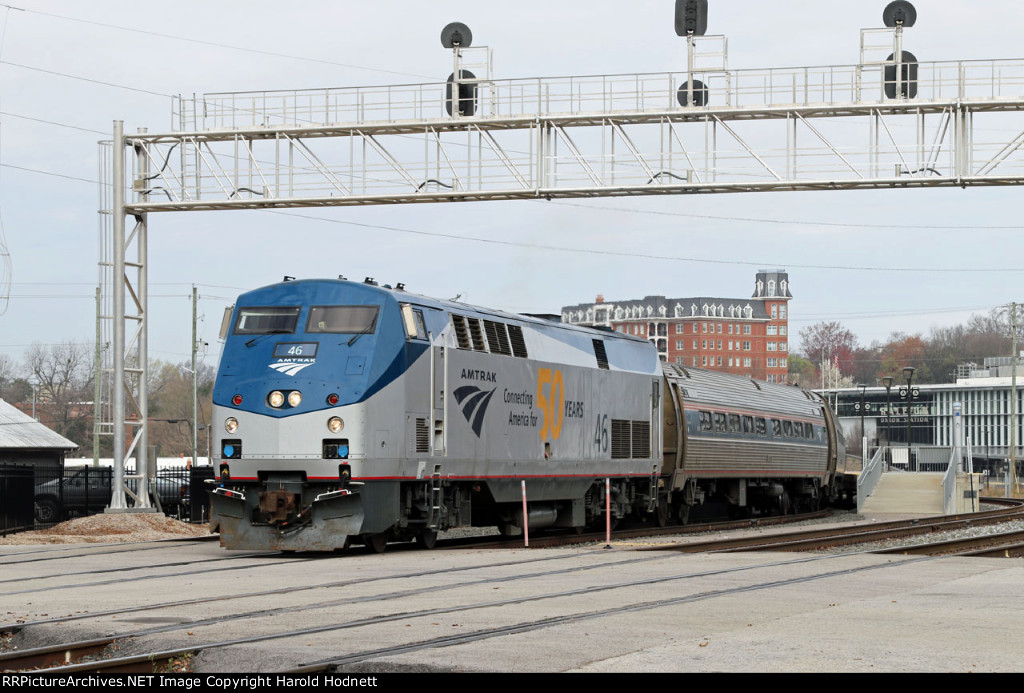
(308, 345)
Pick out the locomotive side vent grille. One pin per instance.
(476, 334)
(631, 439)
(601, 354)
(461, 331)
(515, 336)
(422, 436)
(641, 439)
(497, 337)
(621, 447)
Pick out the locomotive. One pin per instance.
(350, 412)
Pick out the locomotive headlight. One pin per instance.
(231, 424)
(294, 398)
(275, 399)
(334, 424)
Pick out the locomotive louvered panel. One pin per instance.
(601, 354)
(621, 447)
(515, 337)
(641, 439)
(422, 436)
(461, 331)
(497, 337)
(476, 334)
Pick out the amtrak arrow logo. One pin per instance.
(289, 367)
(474, 403)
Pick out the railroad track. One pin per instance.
(63, 657)
(821, 539)
(154, 661)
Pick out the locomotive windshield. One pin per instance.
(342, 319)
(272, 320)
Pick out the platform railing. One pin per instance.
(754, 89)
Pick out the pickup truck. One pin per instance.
(84, 490)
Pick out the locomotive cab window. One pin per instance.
(342, 319)
(267, 320)
(415, 326)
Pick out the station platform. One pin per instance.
(901, 493)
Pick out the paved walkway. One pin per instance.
(905, 492)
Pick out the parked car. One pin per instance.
(85, 490)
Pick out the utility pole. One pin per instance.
(1013, 396)
(97, 390)
(195, 385)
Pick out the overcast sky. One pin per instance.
(80, 66)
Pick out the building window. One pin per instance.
(782, 346)
(773, 363)
(694, 360)
(695, 347)
(772, 330)
(782, 378)
(746, 363)
(704, 360)
(704, 327)
(746, 346)
(704, 344)
(771, 346)
(782, 330)
(730, 328)
(771, 377)
(730, 362)
(680, 327)
(719, 328)
(679, 345)
(783, 363)
(719, 360)
(775, 311)
(782, 312)
(771, 288)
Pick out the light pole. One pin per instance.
(887, 381)
(908, 373)
(863, 433)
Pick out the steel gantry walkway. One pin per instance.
(778, 129)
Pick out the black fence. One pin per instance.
(35, 496)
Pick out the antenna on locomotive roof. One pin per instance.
(342, 277)
(288, 279)
(370, 281)
(400, 286)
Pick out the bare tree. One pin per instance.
(62, 375)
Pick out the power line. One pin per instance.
(216, 44)
(51, 173)
(791, 222)
(651, 256)
(85, 79)
(51, 122)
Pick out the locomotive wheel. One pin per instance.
(377, 543)
(785, 507)
(661, 514)
(427, 539)
(684, 513)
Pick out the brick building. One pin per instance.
(733, 335)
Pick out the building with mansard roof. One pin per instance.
(746, 336)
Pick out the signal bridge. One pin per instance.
(802, 128)
(885, 122)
